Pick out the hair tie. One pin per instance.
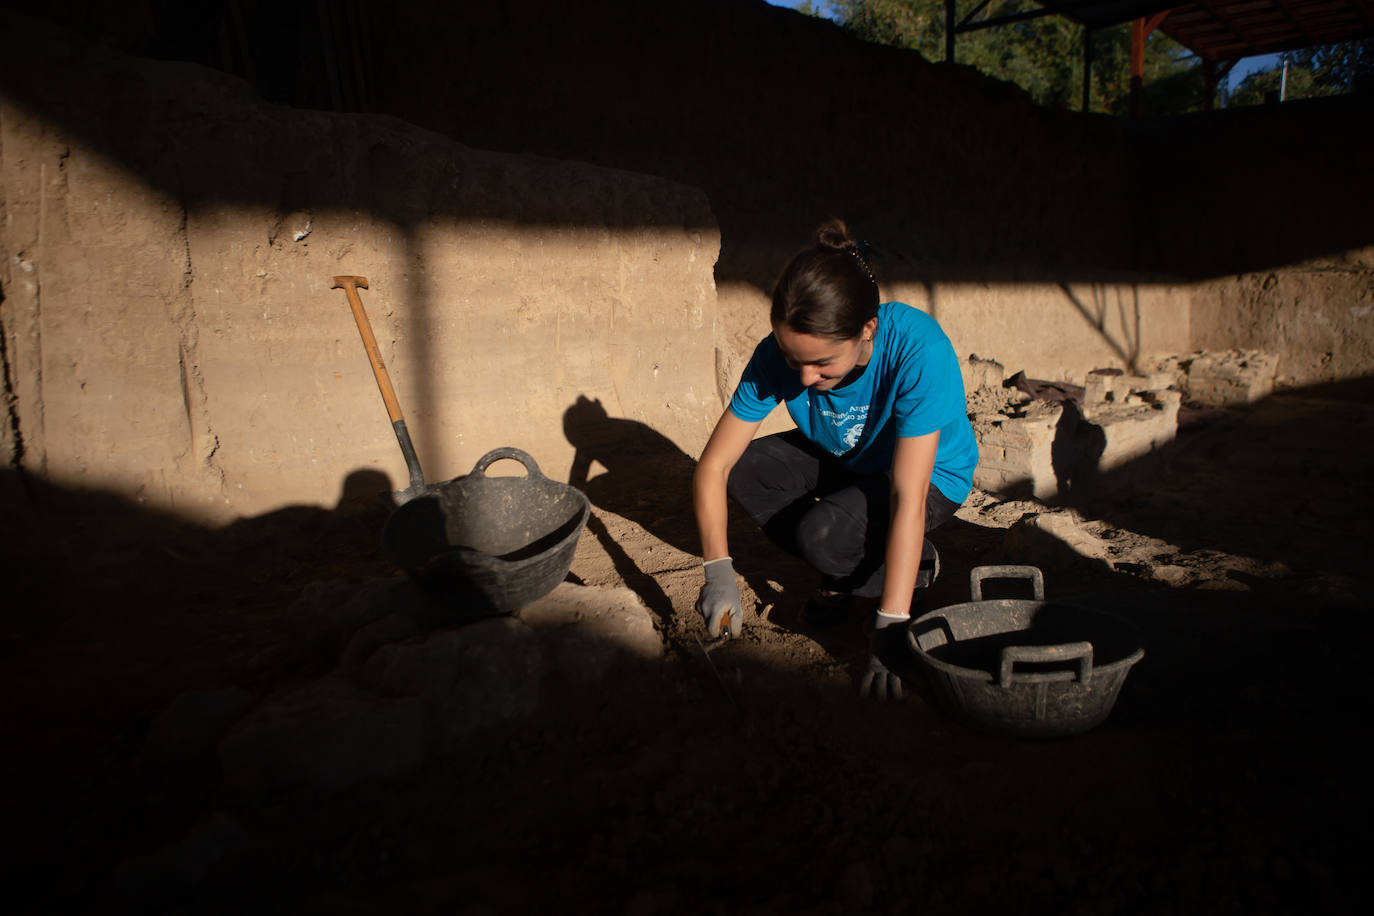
(862, 263)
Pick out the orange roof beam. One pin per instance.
(1140, 30)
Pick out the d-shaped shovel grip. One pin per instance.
(350, 287)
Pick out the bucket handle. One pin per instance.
(496, 454)
(979, 573)
(1080, 652)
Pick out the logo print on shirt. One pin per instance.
(849, 426)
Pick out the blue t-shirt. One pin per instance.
(911, 387)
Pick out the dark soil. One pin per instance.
(752, 779)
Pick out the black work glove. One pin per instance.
(720, 598)
(887, 652)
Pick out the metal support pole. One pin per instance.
(949, 31)
(1087, 69)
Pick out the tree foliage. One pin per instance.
(1043, 56)
(1333, 69)
(1346, 66)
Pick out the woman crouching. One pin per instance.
(883, 451)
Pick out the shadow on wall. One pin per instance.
(707, 93)
(1097, 312)
(470, 256)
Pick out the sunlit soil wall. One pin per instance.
(170, 329)
(169, 241)
(1316, 317)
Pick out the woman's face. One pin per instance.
(824, 362)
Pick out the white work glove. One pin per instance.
(719, 600)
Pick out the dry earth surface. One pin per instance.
(752, 779)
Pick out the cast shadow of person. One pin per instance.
(648, 480)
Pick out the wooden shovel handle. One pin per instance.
(350, 286)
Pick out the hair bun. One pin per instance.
(833, 235)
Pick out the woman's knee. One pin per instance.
(830, 539)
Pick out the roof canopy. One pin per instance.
(1220, 30)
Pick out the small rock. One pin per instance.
(393, 628)
(592, 630)
(190, 727)
(327, 613)
(1053, 539)
(159, 878)
(982, 373)
(857, 887)
(901, 853)
(468, 678)
(1173, 575)
(327, 735)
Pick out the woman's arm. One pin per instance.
(729, 440)
(912, 465)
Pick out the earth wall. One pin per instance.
(1316, 317)
(169, 237)
(170, 331)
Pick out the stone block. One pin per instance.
(997, 480)
(1232, 377)
(982, 373)
(590, 631)
(1050, 450)
(1016, 451)
(1019, 460)
(1054, 539)
(190, 727)
(1038, 483)
(1003, 435)
(393, 628)
(1131, 432)
(159, 881)
(327, 614)
(325, 736)
(1108, 387)
(468, 678)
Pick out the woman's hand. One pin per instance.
(887, 652)
(719, 601)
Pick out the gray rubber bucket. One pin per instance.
(1025, 667)
(494, 543)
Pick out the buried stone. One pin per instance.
(403, 691)
(328, 735)
(190, 727)
(468, 678)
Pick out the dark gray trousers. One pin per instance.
(815, 508)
